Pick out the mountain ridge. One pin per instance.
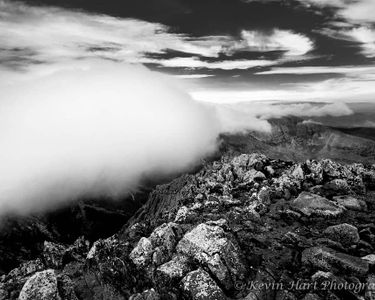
(225, 200)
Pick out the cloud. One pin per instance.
(361, 11)
(37, 34)
(354, 22)
(196, 63)
(95, 130)
(340, 90)
(365, 36)
(294, 44)
(332, 3)
(193, 76)
(308, 70)
(361, 34)
(237, 116)
(46, 34)
(356, 12)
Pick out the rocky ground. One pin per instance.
(245, 227)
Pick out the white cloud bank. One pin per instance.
(333, 90)
(96, 129)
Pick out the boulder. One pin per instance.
(239, 164)
(336, 187)
(158, 248)
(349, 202)
(344, 233)
(257, 161)
(210, 246)
(314, 205)
(164, 235)
(163, 240)
(326, 259)
(142, 253)
(315, 174)
(41, 286)
(253, 175)
(108, 243)
(171, 272)
(333, 169)
(198, 285)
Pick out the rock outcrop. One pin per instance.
(243, 227)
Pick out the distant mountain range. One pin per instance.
(293, 138)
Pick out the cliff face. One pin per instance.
(244, 227)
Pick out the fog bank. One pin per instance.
(95, 130)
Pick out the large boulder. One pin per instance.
(326, 259)
(210, 246)
(41, 286)
(314, 205)
(198, 285)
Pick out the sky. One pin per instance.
(220, 50)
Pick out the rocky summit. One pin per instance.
(243, 227)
